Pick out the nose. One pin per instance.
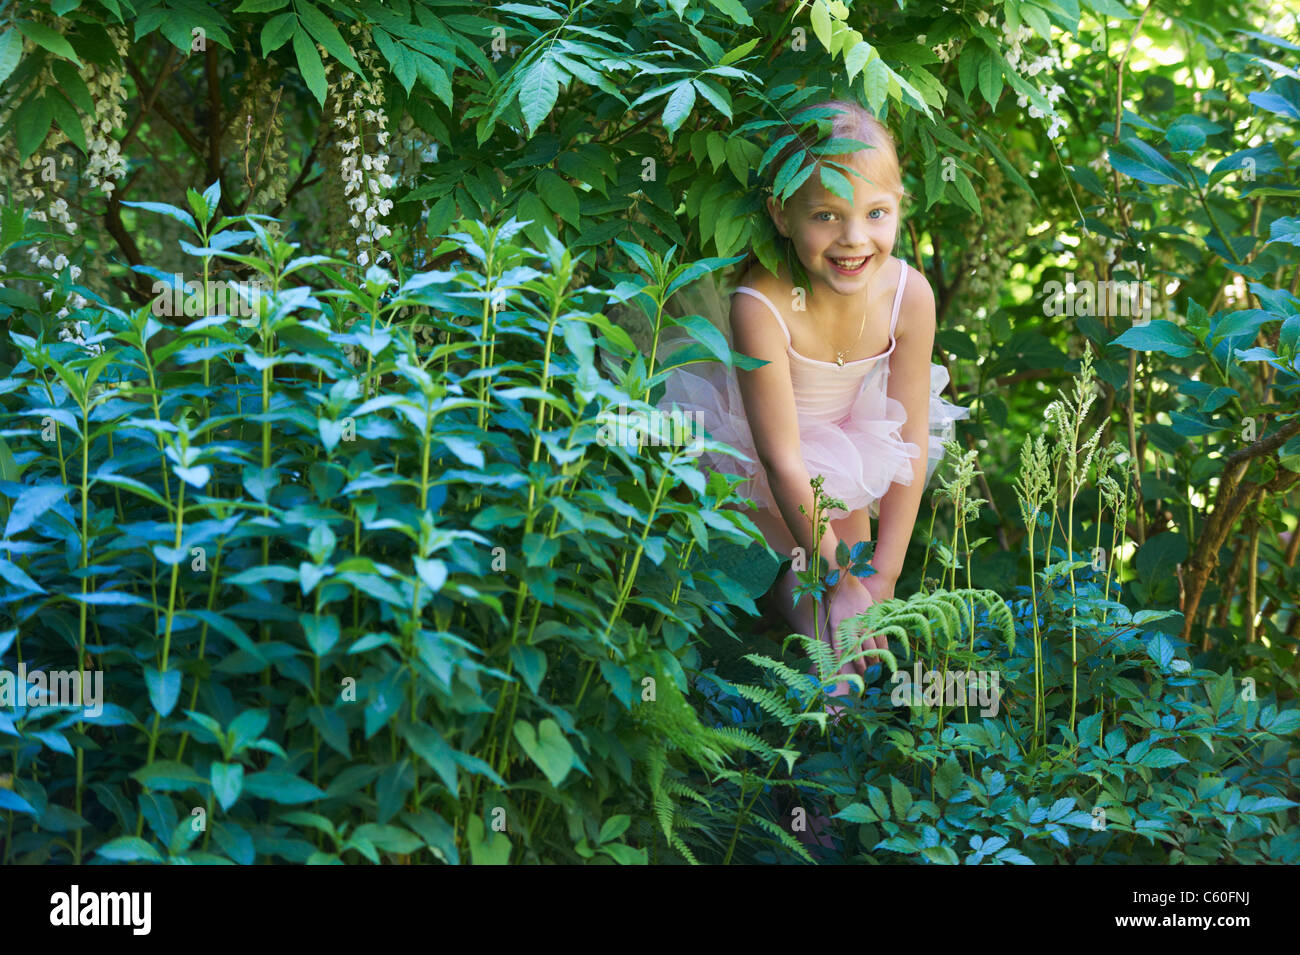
(856, 235)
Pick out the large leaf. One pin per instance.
(1159, 335)
(547, 747)
(281, 787)
(538, 92)
(310, 65)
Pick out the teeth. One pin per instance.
(849, 263)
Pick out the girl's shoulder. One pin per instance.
(757, 277)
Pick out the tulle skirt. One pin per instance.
(859, 455)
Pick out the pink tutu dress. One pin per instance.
(849, 427)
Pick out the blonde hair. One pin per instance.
(836, 120)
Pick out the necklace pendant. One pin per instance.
(839, 359)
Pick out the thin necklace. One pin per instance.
(839, 354)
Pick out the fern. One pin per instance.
(767, 701)
(801, 683)
(677, 843)
(786, 839)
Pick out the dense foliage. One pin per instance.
(315, 469)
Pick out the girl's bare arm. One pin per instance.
(909, 383)
(769, 407)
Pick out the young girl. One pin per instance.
(848, 391)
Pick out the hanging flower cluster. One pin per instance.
(106, 164)
(358, 111)
(1014, 40)
(260, 128)
(1007, 210)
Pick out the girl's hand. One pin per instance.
(880, 587)
(851, 599)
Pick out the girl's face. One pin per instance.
(842, 246)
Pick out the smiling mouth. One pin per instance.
(850, 265)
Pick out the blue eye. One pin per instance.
(870, 215)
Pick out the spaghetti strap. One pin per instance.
(898, 296)
(768, 302)
(893, 321)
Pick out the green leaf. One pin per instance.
(227, 783)
(547, 747)
(324, 31)
(67, 119)
(284, 788)
(486, 847)
(613, 827)
(875, 83)
(857, 813)
(821, 23)
(877, 799)
(707, 334)
(168, 776)
(948, 777)
(180, 215)
(679, 107)
(1147, 165)
(276, 32)
(164, 689)
(531, 664)
(1161, 758)
(538, 92)
(51, 40)
(310, 65)
(11, 52)
(990, 77)
(31, 126)
(322, 632)
(1284, 229)
(901, 798)
(624, 854)
(1158, 335)
(434, 750)
(129, 849)
(1036, 19)
(32, 503)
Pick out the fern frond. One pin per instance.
(750, 742)
(685, 791)
(677, 843)
(664, 809)
(786, 839)
(768, 701)
(803, 684)
(819, 652)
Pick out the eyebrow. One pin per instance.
(883, 199)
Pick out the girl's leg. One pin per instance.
(853, 527)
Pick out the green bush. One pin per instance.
(316, 470)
